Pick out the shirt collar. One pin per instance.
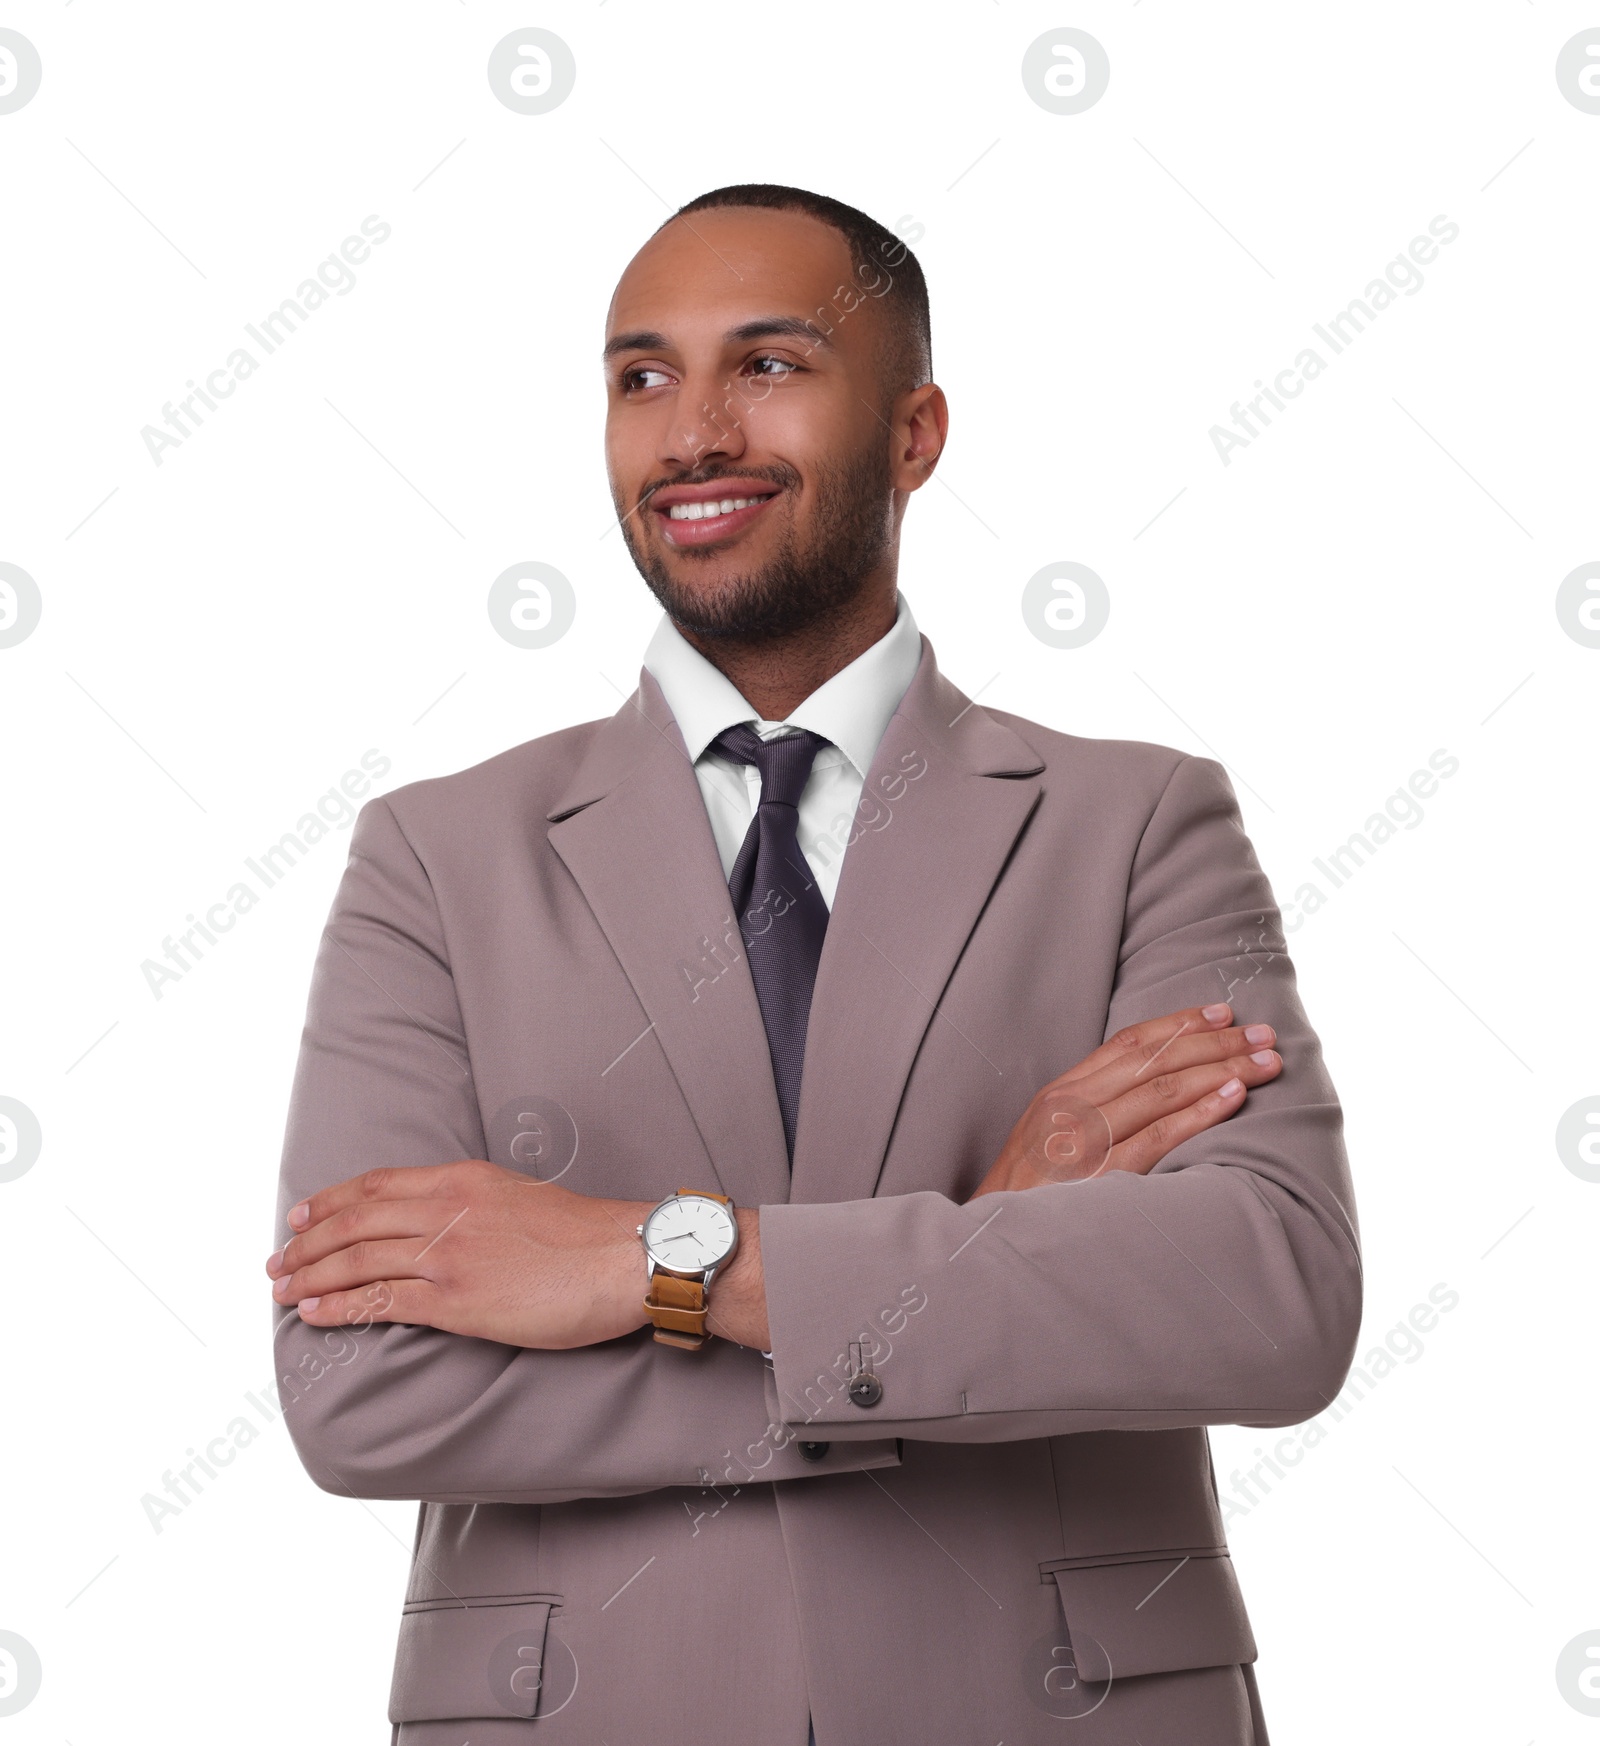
(852, 709)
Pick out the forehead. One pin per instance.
(714, 268)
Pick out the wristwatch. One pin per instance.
(687, 1238)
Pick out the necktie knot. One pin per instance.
(785, 762)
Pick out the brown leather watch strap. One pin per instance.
(678, 1309)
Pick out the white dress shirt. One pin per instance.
(850, 711)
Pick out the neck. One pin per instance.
(777, 675)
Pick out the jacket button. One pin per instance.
(865, 1389)
(814, 1451)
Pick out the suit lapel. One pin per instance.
(949, 793)
(632, 830)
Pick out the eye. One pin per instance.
(628, 380)
(785, 368)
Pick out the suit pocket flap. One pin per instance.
(477, 1658)
(1154, 1615)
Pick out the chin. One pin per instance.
(729, 608)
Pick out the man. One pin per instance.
(805, 933)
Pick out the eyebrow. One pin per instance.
(647, 339)
(640, 341)
(779, 327)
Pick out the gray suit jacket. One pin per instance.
(534, 961)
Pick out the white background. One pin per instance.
(223, 635)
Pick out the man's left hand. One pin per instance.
(472, 1248)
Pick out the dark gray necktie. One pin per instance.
(781, 913)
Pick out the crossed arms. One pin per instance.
(472, 1248)
(1170, 1258)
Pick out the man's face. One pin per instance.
(718, 395)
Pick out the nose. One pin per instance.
(702, 424)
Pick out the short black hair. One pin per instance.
(906, 360)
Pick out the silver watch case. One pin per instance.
(658, 1264)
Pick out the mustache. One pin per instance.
(779, 475)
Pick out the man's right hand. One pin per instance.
(1140, 1094)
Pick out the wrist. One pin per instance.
(737, 1305)
(630, 1279)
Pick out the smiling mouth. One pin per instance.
(710, 508)
(702, 523)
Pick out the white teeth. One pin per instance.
(699, 511)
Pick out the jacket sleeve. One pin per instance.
(393, 1411)
(1222, 1288)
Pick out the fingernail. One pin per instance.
(1215, 1014)
(309, 1303)
(1232, 1088)
(300, 1216)
(1263, 1057)
(1259, 1034)
(274, 1261)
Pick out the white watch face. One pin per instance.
(690, 1233)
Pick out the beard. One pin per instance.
(799, 585)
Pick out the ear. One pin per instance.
(921, 425)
